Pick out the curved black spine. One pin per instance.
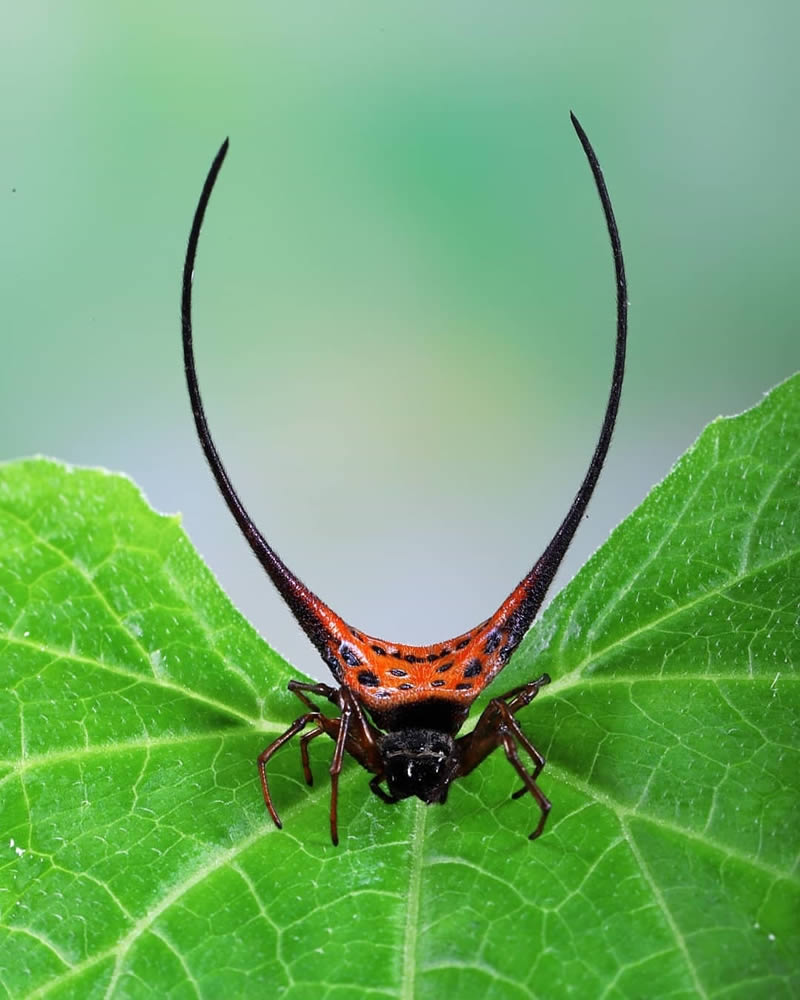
(537, 582)
(303, 603)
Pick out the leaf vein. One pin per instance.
(680, 941)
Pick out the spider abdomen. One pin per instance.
(441, 715)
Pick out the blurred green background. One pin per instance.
(404, 309)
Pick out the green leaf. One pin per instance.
(137, 858)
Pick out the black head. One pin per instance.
(419, 762)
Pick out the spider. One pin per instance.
(400, 707)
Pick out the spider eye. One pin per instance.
(419, 762)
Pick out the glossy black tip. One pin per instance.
(577, 126)
(584, 140)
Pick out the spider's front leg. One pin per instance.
(497, 727)
(376, 789)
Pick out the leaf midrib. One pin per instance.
(408, 974)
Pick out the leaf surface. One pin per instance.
(136, 857)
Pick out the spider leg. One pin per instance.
(336, 766)
(520, 697)
(351, 732)
(376, 788)
(273, 748)
(498, 727)
(321, 690)
(537, 758)
(523, 694)
(359, 738)
(305, 739)
(530, 780)
(299, 688)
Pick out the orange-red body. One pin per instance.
(384, 673)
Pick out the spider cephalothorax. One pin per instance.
(401, 707)
(419, 762)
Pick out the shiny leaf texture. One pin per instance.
(137, 859)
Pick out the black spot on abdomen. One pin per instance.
(349, 655)
(493, 640)
(474, 667)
